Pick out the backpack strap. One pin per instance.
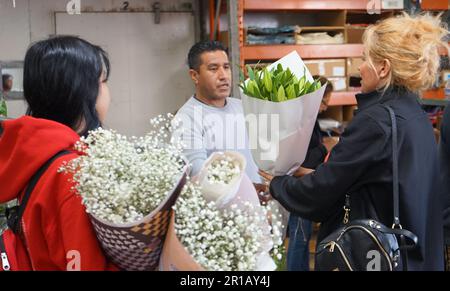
(14, 215)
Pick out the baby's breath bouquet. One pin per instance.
(128, 186)
(224, 171)
(221, 176)
(232, 236)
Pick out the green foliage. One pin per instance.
(3, 109)
(276, 85)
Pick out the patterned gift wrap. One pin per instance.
(138, 246)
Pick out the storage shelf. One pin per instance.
(434, 97)
(434, 4)
(270, 5)
(343, 98)
(321, 28)
(328, 51)
(434, 102)
(275, 52)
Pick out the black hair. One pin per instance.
(62, 80)
(323, 81)
(194, 57)
(5, 78)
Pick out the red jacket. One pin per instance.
(55, 222)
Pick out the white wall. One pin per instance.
(34, 20)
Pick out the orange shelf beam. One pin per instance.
(434, 4)
(434, 94)
(275, 52)
(268, 5)
(342, 98)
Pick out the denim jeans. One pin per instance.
(300, 231)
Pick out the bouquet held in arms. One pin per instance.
(129, 186)
(281, 103)
(219, 224)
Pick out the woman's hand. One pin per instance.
(261, 188)
(265, 197)
(263, 193)
(266, 176)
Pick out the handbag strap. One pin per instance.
(410, 240)
(395, 182)
(396, 226)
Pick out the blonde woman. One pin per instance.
(401, 60)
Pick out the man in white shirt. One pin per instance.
(212, 121)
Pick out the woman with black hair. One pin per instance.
(66, 91)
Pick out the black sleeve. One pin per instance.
(317, 152)
(444, 158)
(315, 157)
(317, 196)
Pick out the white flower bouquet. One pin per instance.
(205, 235)
(279, 145)
(221, 176)
(129, 187)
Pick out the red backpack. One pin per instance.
(13, 251)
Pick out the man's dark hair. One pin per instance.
(5, 79)
(324, 81)
(194, 57)
(62, 81)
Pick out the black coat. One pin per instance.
(444, 158)
(317, 152)
(361, 165)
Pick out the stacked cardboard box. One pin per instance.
(333, 69)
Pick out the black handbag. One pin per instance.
(366, 244)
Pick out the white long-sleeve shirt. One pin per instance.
(206, 129)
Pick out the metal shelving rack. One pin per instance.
(241, 53)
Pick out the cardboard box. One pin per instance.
(348, 113)
(327, 68)
(334, 113)
(355, 33)
(392, 4)
(353, 65)
(341, 114)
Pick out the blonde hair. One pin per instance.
(411, 44)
